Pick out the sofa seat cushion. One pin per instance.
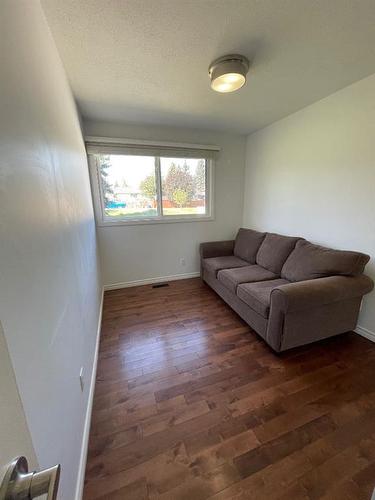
(231, 278)
(309, 261)
(258, 295)
(215, 264)
(274, 251)
(247, 244)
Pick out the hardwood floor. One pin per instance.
(190, 404)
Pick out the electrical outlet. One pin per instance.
(81, 379)
(182, 261)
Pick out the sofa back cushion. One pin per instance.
(274, 251)
(309, 261)
(247, 244)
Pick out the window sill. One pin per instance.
(164, 220)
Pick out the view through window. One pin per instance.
(183, 186)
(146, 187)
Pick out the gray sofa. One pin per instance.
(290, 291)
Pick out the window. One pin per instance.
(128, 186)
(135, 187)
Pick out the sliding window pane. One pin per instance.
(128, 186)
(183, 186)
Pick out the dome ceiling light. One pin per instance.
(228, 73)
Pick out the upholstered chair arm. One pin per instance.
(318, 292)
(216, 249)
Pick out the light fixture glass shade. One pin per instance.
(228, 73)
(228, 82)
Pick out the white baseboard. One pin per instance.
(149, 281)
(368, 334)
(86, 428)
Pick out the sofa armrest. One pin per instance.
(318, 292)
(216, 249)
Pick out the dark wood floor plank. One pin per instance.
(191, 404)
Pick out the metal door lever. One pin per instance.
(20, 484)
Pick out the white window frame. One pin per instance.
(97, 188)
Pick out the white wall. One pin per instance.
(49, 286)
(15, 437)
(313, 174)
(131, 253)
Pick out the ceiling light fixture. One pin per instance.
(228, 73)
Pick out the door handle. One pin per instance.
(20, 484)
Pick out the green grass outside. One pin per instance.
(150, 212)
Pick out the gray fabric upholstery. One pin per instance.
(306, 326)
(251, 317)
(247, 244)
(309, 261)
(215, 264)
(274, 251)
(216, 249)
(258, 295)
(321, 298)
(231, 278)
(302, 295)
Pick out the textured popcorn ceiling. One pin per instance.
(146, 61)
